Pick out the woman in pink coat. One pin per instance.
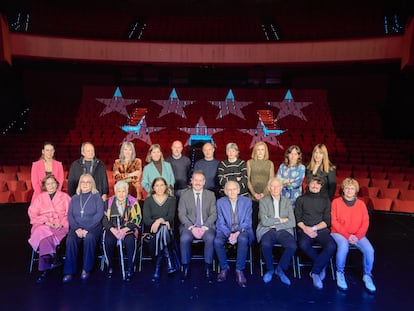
(48, 215)
(44, 166)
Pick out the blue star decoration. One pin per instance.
(262, 134)
(200, 132)
(173, 105)
(140, 131)
(230, 106)
(117, 103)
(290, 107)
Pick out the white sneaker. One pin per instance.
(340, 280)
(317, 282)
(282, 276)
(369, 284)
(268, 276)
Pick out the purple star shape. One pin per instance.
(200, 129)
(117, 103)
(173, 105)
(143, 133)
(259, 135)
(288, 106)
(230, 106)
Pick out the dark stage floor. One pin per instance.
(392, 236)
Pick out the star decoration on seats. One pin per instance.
(261, 134)
(117, 103)
(230, 106)
(140, 131)
(200, 130)
(173, 105)
(290, 107)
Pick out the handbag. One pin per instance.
(148, 237)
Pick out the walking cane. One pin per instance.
(121, 253)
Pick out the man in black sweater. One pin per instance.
(313, 219)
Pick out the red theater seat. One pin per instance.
(403, 206)
(391, 193)
(378, 204)
(407, 194)
(5, 196)
(381, 183)
(404, 184)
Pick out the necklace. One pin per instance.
(83, 205)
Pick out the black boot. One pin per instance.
(156, 275)
(55, 261)
(170, 266)
(209, 273)
(42, 276)
(128, 275)
(186, 273)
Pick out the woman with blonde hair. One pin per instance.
(129, 168)
(157, 167)
(259, 171)
(349, 226)
(85, 214)
(321, 165)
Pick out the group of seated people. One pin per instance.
(86, 218)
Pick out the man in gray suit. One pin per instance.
(197, 214)
(276, 224)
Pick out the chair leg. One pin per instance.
(251, 259)
(332, 269)
(299, 266)
(32, 259)
(140, 257)
(294, 266)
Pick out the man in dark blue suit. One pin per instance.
(197, 214)
(234, 226)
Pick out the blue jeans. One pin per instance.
(363, 245)
(242, 247)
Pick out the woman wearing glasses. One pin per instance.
(48, 215)
(85, 216)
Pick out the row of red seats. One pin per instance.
(15, 191)
(391, 205)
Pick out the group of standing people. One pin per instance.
(220, 203)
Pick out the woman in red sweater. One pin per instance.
(349, 226)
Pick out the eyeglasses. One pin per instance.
(52, 183)
(349, 189)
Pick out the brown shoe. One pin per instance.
(241, 279)
(222, 276)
